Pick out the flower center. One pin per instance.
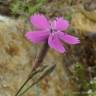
(53, 30)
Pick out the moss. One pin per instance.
(26, 8)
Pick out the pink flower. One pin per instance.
(51, 31)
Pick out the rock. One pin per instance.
(14, 57)
(83, 20)
(84, 23)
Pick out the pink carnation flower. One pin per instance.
(51, 31)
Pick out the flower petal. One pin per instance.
(55, 43)
(68, 38)
(39, 21)
(37, 36)
(60, 24)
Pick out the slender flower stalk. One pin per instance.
(38, 61)
(47, 71)
(40, 57)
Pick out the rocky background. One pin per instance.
(74, 70)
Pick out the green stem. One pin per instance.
(27, 89)
(22, 86)
(30, 77)
(47, 71)
(36, 64)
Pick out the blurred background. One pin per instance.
(75, 73)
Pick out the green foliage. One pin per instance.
(81, 79)
(26, 7)
(87, 87)
(92, 91)
(68, 17)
